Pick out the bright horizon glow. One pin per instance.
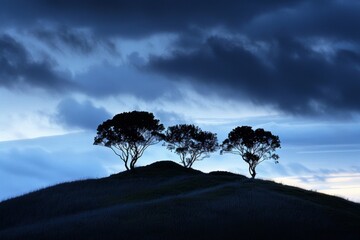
(342, 185)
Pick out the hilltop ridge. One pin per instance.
(166, 201)
(162, 168)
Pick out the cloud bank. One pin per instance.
(300, 57)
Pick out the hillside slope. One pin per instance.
(166, 201)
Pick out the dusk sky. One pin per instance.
(289, 66)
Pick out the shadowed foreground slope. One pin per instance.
(166, 201)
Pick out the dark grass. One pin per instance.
(166, 201)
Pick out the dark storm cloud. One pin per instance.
(139, 17)
(76, 40)
(85, 115)
(18, 70)
(288, 75)
(109, 80)
(300, 56)
(336, 19)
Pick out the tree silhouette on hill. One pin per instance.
(254, 146)
(190, 143)
(129, 134)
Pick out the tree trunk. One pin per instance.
(132, 163)
(125, 163)
(190, 164)
(252, 171)
(127, 168)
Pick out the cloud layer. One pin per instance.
(287, 73)
(301, 57)
(139, 18)
(83, 115)
(18, 69)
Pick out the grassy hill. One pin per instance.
(166, 201)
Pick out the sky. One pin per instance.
(291, 67)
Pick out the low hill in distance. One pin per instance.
(166, 201)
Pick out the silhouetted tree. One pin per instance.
(253, 146)
(190, 142)
(128, 134)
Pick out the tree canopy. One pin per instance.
(129, 134)
(190, 143)
(254, 146)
